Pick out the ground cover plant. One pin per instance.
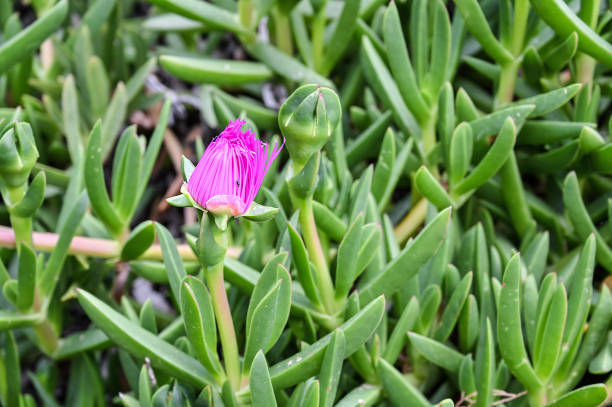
(306, 203)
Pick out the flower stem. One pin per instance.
(213, 240)
(315, 253)
(225, 324)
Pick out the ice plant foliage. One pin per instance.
(231, 170)
(388, 238)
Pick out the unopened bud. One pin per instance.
(307, 120)
(18, 154)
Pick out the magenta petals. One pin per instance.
(231, 170)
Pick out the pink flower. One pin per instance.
(231, 170)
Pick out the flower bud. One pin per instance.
(18, 154)
(231, 171)
(307, 120)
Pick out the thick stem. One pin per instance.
(214, 240)
(47, 338)
(585, 68)
(21, 226)
(409, 225)
(516, 203)
(22, 233)
(245, 11)
(23, 229)
(282, 31)
(429, 134)
(315, 253)
(318, 38)
(585, 64)
(538, 398)
(505, 88)
(102, 248)
(521, 13)
(225, 324)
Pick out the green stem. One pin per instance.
(521, 13)
(315, 253)
(245, 11)
(585, 64)
(22, 229)
(516, 203)
(318, 38)
(212, 247)
(410, 224)
(225, 324)
(505, 88)
(429, 136)
(585, 68)
(538, 398)
(21, 226)
(47, 338)
(282, 31)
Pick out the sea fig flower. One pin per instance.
(231, 170)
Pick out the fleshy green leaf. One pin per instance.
(141, 343)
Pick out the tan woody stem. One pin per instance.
(89, 246)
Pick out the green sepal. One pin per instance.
(210, 252)
(302, 184)
(187, 168)
(259, 213)
(179, 201)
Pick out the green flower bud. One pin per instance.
(18, 154)
(307, 120)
